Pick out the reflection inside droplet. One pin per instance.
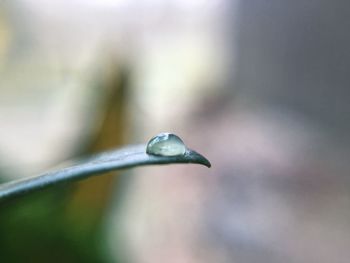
(166, 144)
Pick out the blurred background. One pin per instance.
(259, 87)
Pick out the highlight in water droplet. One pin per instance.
(166, 144)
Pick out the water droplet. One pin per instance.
(166, 144)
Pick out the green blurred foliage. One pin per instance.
(36, 228)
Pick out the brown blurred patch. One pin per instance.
(91, 196)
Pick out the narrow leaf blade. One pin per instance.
(128, 157)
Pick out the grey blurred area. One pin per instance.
(295, 55)
(277, 136)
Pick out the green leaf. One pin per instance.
(128, 157)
